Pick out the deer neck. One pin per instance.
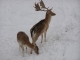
(47, 18)
(30, 45)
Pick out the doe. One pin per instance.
(23, 40)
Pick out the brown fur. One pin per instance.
(41, 26)
(23, 39)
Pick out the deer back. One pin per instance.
(23, 38)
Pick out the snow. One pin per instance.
(62, 36)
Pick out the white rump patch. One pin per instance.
(34, 34)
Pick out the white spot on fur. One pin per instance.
(34, 34)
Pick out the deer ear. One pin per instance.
(47, 12)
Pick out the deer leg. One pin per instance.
(19, 45)
(41, 38)
(34, 38)
(22, 47)
(45, 36)
(31, 51)
(26, 49)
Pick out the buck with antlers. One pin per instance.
(41, 27)
(23, 40)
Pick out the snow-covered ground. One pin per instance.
(63, 36)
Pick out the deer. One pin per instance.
(40, 28)
(23, 40)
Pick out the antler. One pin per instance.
(42, 4)
(37, 7)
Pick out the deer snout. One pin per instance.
(38, 53)
(53, 14)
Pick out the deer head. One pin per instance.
(36, 49)
(49, 12)
(40, 5)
